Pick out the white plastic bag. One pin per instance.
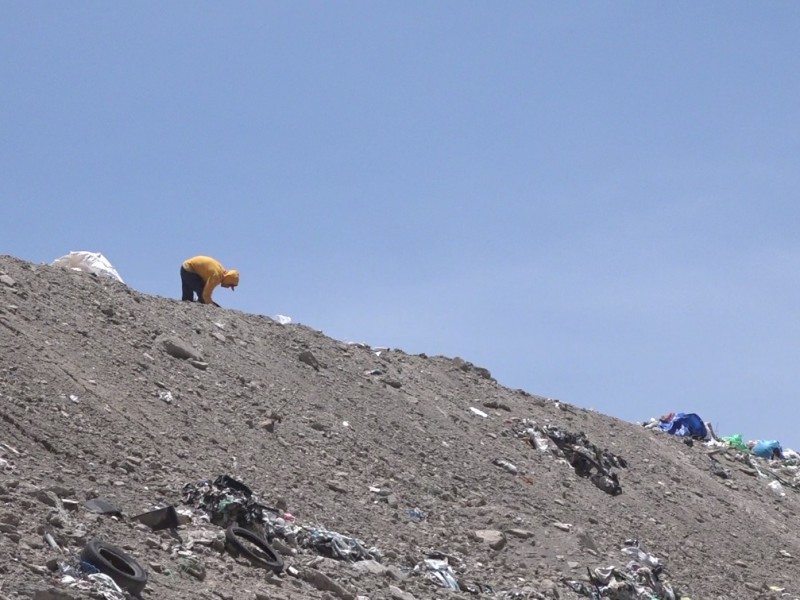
(776, 488)
(90, 262)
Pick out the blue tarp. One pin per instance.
(768, 448)
(685, 425)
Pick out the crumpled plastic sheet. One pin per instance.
(587, 459)
(331, 543)
(636, 581)
(99, 584)
(226, 501)
(440, 572)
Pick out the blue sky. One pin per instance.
(594, 200)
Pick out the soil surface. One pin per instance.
(400, 459)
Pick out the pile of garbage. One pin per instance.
(226, 501)
(688, 425)
(588, 460)
(640, 579)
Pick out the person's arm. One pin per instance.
(212, 282)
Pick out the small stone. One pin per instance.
(586, 541)
(156, 567)
(56, 519)
(549, 588)
(370, 566)
(48, 498)
(309, 359)
(495, 539)
(53, 594)
(397, 594)
(193, 567)
(176, 347)
(519, 533)
(7, 280)
(337, 486)
(322, 582)
(563, 526)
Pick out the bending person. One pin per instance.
(201, 274)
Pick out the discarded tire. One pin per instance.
(253, 546)
(122, 568)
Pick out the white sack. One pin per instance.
(90, 262)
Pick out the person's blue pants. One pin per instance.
(191, 284)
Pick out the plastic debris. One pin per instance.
(89, 262)
(416, 514)
(437, 568)
(227, 501)
(504, 464)
(776, 488)
(641, 578)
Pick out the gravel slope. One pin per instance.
(403, 453)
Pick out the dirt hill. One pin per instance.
(383, 459)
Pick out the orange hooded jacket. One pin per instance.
(213, 273)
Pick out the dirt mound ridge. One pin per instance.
(407, 454)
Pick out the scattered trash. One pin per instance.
(641, 556)
(736, 441)
(283, 319)
(776, 488)
(112, 561)
(478, 412)
(257, 550)
(333, 544)
(588, 460)
(166, 396)
(227, 502)
(416, 514)
(684, 425)
(89, 579)
(639, 579)
(768, 449)
(437, 568)
(161, 518)
(504, 464)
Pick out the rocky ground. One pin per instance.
(109, 393)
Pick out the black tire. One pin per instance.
(121, 567)
(267, 556)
